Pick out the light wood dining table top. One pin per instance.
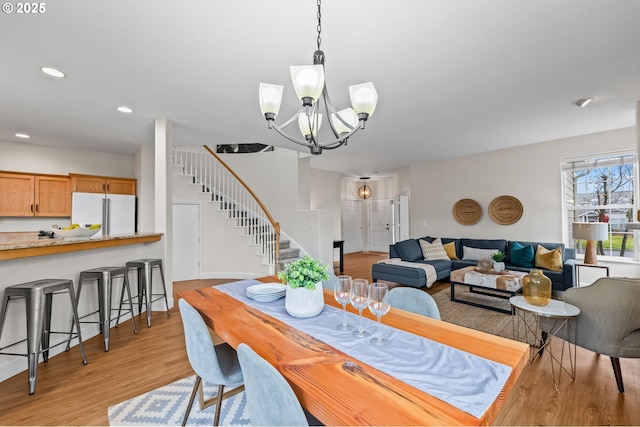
(337, 388)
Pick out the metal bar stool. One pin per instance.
(104, 279)
(144, 268)
(38, 297)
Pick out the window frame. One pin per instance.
(570, 205)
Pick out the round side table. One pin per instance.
(557, 315)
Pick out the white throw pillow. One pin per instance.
(433, 251)
(475, 254)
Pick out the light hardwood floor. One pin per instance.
(69, 393)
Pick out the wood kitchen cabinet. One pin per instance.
(102, 184)
(25, 194)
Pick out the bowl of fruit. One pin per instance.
(76, 231)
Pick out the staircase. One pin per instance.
(219, 184)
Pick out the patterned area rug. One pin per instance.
(480, 319)
(166, 407)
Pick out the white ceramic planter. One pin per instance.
(303, 302)
(498, 266)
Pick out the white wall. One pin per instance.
(223, 251)
(26, 157)
(275, 178)
(325, 194)
(531, 173)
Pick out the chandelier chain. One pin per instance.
(319, 24)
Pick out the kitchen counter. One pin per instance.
(28, 244)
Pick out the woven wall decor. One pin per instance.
(505, 210)
(467, 211)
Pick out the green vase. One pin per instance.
(536, 288)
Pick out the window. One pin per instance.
(602, 188)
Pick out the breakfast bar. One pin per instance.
(26, 257)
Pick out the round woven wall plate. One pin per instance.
(467, 211)
(505, 210)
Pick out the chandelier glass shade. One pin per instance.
(309, 84)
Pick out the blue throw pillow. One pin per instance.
(522, 256)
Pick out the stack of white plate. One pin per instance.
(266, 292)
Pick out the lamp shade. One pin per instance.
(364, 98)
(590, 231)
(347, 115)
(307, 123)
(308, 80)
(270, 98)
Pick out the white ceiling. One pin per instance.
(453, 76)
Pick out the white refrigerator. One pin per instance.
(116, 212)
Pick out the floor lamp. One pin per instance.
(590, 231)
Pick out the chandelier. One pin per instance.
(311, 89)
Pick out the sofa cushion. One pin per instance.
(475, 254)
(551, 260)
(450, 249)
(409, 250)
(500, 244)
(522, 256)
(433, 251)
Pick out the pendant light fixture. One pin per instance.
(364, 192)
(309, 84)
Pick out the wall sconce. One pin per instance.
(364, 192)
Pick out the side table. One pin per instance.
(582, 265)
(557, 315)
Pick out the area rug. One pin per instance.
(477, 318)
(166, 407)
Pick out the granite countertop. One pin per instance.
(30, 239)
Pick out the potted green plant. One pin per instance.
(498, 258)
(303, 277)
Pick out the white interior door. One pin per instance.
(380, 218)
(352, 226)
(186, 242)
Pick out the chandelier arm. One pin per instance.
(290, 138)
(308, 144)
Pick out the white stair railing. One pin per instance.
(234, 197)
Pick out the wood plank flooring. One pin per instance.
(68, 393)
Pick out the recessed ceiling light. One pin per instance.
(584, 102)
(53, 72)
(125, 109)
(23, 135)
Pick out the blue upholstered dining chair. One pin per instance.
(330, 283)
(413, 300)
(270, 399)
(214, 364)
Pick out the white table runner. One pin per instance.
(466, 381)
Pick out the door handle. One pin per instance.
(37, 210)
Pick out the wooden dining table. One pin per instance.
(341, 390)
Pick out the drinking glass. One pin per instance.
(360, 300)
(342, 294)
(379, 308)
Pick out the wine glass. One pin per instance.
(379, 308)
(360, 300)
(342, 294)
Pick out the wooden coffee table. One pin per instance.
(503, 285)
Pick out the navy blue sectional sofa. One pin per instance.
(409, 250)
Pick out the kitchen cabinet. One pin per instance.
(102, 184)
(26, 194)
